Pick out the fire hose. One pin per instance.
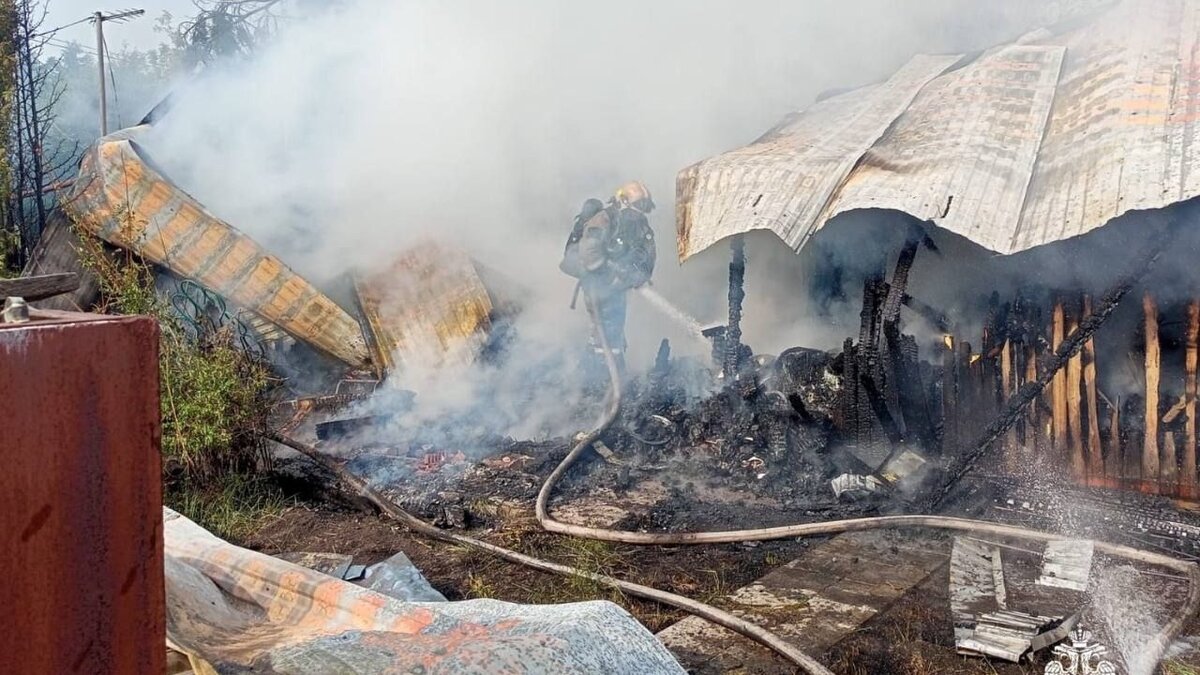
(1157, 646)
(708, 612)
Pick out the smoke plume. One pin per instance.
(364, 127)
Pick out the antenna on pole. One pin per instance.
(99, 18)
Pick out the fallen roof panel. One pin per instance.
(122, 198)
(428, 308)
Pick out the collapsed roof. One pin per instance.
(1025, 144)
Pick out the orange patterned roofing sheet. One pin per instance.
(241, 611)
(121, 198)
(428, 308)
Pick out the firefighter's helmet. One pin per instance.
(635, 195)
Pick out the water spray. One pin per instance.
(672, 312)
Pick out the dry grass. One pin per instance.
(232, 506)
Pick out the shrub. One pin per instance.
(214, 403)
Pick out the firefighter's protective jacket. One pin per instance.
(611, 249)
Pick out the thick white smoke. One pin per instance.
(366, 126)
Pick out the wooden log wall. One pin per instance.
(1143, 440)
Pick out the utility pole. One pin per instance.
(99, 18)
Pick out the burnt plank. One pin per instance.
(1189, 434)
(39, 287)
(56, 252)
(1150, 458)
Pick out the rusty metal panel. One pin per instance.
(1029, 144)
(428, 308)
(81, 576)
(121, 198)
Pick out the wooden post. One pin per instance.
(1095, 455)
(1114, 465)
(1189, 433)
(1170, 467)
(1006, 391)
(1058, 387)
(1074, 414)
(1034, 431)
(1150, 463)
(949, 399)
(966, 404)
(1018, 367)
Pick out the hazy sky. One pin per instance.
(138, 32)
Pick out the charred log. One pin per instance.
(1095, 458)
(737, 293)
(1189, 434)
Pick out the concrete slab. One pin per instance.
(813, 601)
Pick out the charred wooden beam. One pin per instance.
(1058, 387)
(737, 293)
(1095, 455)
(913, 400)
(896, 290)
(39, 287)
(1075, 411)
(869, 317)
(923, 310)
(1074, 342)
(1150, 460)
(849, 402)
(949, 398)
(1189, 432)
(891, 356)
(879, 407)
(965, 382)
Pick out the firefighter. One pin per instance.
(611, 250)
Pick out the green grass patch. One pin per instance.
(231, 506)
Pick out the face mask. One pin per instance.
(644, 205)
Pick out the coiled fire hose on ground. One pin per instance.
(1157, 646)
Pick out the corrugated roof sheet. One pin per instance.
(232, 610)
(122, 198)
(429, 307)
(1027, 144)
